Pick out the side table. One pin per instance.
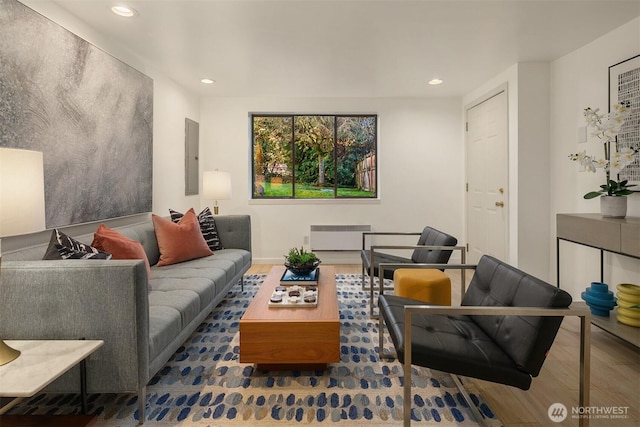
(40, 363)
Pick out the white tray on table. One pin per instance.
(295, 301)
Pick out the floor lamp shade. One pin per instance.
(216, 185)
(21, 205)
(21, 192)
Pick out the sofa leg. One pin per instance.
(242, 283)
(142, 403)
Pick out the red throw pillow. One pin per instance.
(119, 246)
(181, 241)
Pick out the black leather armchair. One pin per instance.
(502, 332)
(433, 247)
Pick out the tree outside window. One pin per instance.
(314, 156)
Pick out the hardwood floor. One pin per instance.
(615, 375)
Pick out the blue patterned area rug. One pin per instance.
(204, 384)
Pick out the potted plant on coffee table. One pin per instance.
(301, 262)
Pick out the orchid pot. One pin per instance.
(613, 206)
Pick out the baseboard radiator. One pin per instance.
(337, 237)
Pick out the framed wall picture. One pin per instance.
(624, 86)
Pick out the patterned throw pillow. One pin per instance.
(207, 227)
(62, 246)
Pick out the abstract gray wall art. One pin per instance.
(89, 113)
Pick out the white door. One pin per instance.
(487, 174)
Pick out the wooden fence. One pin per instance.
(366, 173)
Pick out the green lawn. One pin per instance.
(307, 191)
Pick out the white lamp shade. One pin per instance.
(21, 192)
(216, 185)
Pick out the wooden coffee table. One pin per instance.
(283, 338)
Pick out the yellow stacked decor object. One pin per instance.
(629, 304)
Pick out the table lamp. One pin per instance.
(216, 185)
(21, 205)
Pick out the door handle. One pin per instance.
(500, 204)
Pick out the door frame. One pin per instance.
(488, 95)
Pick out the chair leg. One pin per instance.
(380, 336)
(391, 355)
(407, 399)
(585, 366)
(406, 418)
(476, 413)
(407, 369)
(371, 290)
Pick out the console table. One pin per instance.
(617, 235)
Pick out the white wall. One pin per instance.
(420, 170)
(534, 231)
(528, 195)
(580, 80)
(171, 105)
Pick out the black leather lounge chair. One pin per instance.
(433, 247)
(502, 332)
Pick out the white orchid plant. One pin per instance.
(606, 128)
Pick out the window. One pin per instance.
(314, 156)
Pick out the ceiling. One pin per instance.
(349, 48)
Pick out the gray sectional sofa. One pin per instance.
(143, 321)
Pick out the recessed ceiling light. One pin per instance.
(207, 81)
(435, 82)
(125, 11)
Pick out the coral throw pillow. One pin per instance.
(181, 241)
(207, 226)
(119, 246)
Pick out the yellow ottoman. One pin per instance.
(429, 285)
